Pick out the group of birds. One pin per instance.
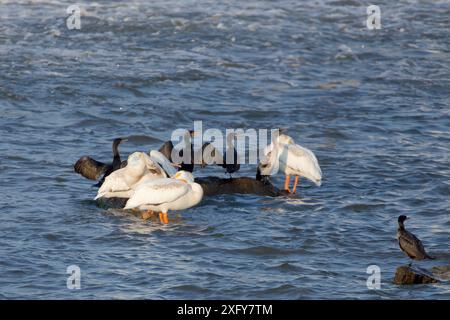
(153, 183)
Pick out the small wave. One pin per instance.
(264, 250)
(362, 207)
(190, 288)
(10, 95)
(339, 83)
(286, 266)
(143, 139)
(130, 88)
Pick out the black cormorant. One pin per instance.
(94, 170)
(210, 155)
(409, 243)
(167, 148)
(230, 165)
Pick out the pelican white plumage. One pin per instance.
(122, 183)
(291, 159)
(162, 195)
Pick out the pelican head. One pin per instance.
(285, 139)
(184, 176)
(135, 158)
(140, 160)
(314, 176)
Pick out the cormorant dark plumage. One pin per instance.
(94, 170)
(210, 155)
(263, 166)
(167, 148)
(409, 243)
(260, 177)
(230, 165)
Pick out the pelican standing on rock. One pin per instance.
(409, 243)
(162, 195)
(291, 159)
(93, 169)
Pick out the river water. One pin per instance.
(373, 105)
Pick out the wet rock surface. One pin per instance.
(414, 275)
(214, 186)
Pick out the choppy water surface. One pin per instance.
(373, 105)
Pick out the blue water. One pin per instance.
(373, 105)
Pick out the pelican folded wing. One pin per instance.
(303, 161)
(157, 192)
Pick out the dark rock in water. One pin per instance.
(107, 203)
(213, 186)
(442, 272)
(243, 185)
(411, 275)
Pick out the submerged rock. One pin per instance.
(243, 185)
(442, 272)
(213, 186)
(412, 275)
(107, 203)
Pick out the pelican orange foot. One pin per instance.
(287, 181)
(295, 184)
(163, 217)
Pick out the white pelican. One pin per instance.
(162, 195)
(121, 183)
(291, 159)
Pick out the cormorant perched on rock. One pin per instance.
(167, 148)
(210, 155)
(409, 243)
(93, 169)
(230, 165)
(260, 177)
